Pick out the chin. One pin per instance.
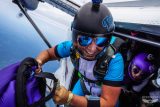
(89, 57)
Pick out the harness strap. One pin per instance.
(93, 101)
(25, 70)
(97, 82)
(85, 91)
(102, 63)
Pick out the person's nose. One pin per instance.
(92, 47)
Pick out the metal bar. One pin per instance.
(73, 3)
(157, 44)
(63, 6)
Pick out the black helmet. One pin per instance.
(93, 20)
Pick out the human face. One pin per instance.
(136, 73)
(90, 47)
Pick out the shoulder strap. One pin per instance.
(117, 44)
(101, 66)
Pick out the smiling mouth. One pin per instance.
(89, 55)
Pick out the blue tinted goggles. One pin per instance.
(86, 40)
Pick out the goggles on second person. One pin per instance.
(135, 69)
(86, 40)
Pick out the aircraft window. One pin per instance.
(18, 38)
(131, 11)
(52, 22)
(139, 11)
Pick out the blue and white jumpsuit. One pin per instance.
(114, 75)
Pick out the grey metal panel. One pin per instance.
(142, 15)
(146, 41)
(134, 3)
(151, 29)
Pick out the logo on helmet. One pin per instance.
(107, 23)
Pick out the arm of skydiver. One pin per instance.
(46, 56)
(59, 51)
(108, 98)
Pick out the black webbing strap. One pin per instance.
(21, 79)
(85, 91)
(42, 100)
(101, 67)
(22, 75)
(102, 63)
(50, 95)
(93, 103)
(117, 44)
(97, 82)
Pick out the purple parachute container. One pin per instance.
(8, 88)
(7, 74)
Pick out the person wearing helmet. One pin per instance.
(142, 81)
(100, 74)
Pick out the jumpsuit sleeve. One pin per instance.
(63, 49)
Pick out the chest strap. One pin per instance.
(85, 91)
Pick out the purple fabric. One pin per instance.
(7, 87)
(8, 74)
(33, 93)
(8, 97)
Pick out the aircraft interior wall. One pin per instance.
(129, 50)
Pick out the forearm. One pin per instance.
(79, 101)
(46, 56)
(109, 97)
(63, 96)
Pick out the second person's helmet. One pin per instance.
(141, 67)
